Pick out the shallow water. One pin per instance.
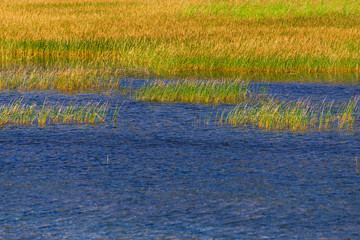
(161, 172)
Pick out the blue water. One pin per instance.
(160, 172)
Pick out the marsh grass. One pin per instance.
(82, 45)
(192, 91)
(64, 79)
(169, 38)
(19, 113)
(254, 107)
(269, 9)
(294, 116)
(348, 113)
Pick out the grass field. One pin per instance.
(170, 38)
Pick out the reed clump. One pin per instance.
(172, 38)
(195, 91)
(18, 113)
(63, 79)
(293, 116)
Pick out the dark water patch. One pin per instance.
(285, 77)
(315, 92)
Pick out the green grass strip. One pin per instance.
(210, 92)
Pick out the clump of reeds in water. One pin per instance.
(18, 113)
(293, 116)
(191, 91)
(59, 79)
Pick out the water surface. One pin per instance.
(160, 172)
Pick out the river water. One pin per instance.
(160, 172)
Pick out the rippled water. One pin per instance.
(161, 173)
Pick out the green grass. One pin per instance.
(183, 38)
(270, 9)
(192, 91)
(19, 113)
(294, 116)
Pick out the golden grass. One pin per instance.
(170, 38)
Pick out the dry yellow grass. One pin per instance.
(169, 37)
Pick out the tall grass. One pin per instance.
(210, 92)
(64, 79)
(246, 9)
(19, 113)
(295, 116)
(170, 38)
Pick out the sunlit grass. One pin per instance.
(294, 116)
(19, 113)
(192, 91)
(172, 38)
(63, 79)
(246, 9)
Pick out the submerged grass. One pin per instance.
(294, 116)
(210, 92)
(18, 113)
(170, 38)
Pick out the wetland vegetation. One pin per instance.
(254, 107)
(210, 92)
(19, 113)
(171, 38)
(67, 80)
(295, 116)
(58, 45)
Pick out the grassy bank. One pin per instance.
(171, 38)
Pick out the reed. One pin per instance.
(191, 91)
(348, 113)
(64, 79)
(18, 113)
(116, 112)
(294, 116)
(174, 38)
